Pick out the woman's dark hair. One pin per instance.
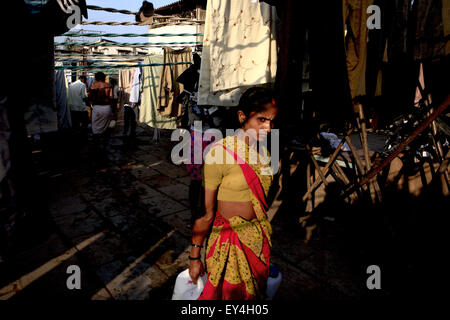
(255, 99)
(100, 76)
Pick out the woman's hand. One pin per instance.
(195, 270)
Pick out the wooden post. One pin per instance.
(441, 171)
(309, 204)
(343, 177)
(359, 164)
(327, 167)
(358, 161)
(308, 186)
(341, 174)
(316, 165)
(365, 144)
(438, 146)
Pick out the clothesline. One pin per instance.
(124, 44)
(118, 66)
(96, 61)
(102, 55)
(106, 72)
(113, 10)
(112, 23)
(133, 13)
(131, 35)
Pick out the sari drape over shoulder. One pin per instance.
(238, 250)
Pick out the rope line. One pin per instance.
(96, 61)
(155, 16)
(105, 71)
(98, 55)
(119, 66)
(111, 23)
(131, 35)
(160, 17)
(124, 44)
(111, 10)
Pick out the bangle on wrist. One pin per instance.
(196, 245)
(194, 258)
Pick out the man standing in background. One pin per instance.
(78, 109)
(113, 83)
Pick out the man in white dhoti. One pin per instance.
(101, 96)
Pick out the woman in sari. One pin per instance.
(237, 179)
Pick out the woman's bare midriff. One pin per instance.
(230, 209)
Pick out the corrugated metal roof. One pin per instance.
(181, 5)
(171, 4)
(167, 4)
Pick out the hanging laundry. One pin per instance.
(61, 88)
(415, 29)
(150, 88)
(129, 99)
(432, 22)
(377, 51)
(190, 77)
(331, 97)
(135, 92)
(169, 88)
(398, 36)
(89, 82)
(446, 22)
(40, 113)
(125, 82)
(239, 50)
(355, 17)
(292, 58)
(188, 98)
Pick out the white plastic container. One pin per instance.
(185, 289)
(273, 282)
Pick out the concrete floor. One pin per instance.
(124, 223)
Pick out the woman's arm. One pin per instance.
(199, 232)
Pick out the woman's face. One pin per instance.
(260, 122)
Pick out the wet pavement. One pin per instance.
(124, 221)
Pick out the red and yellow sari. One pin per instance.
(238, 250)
